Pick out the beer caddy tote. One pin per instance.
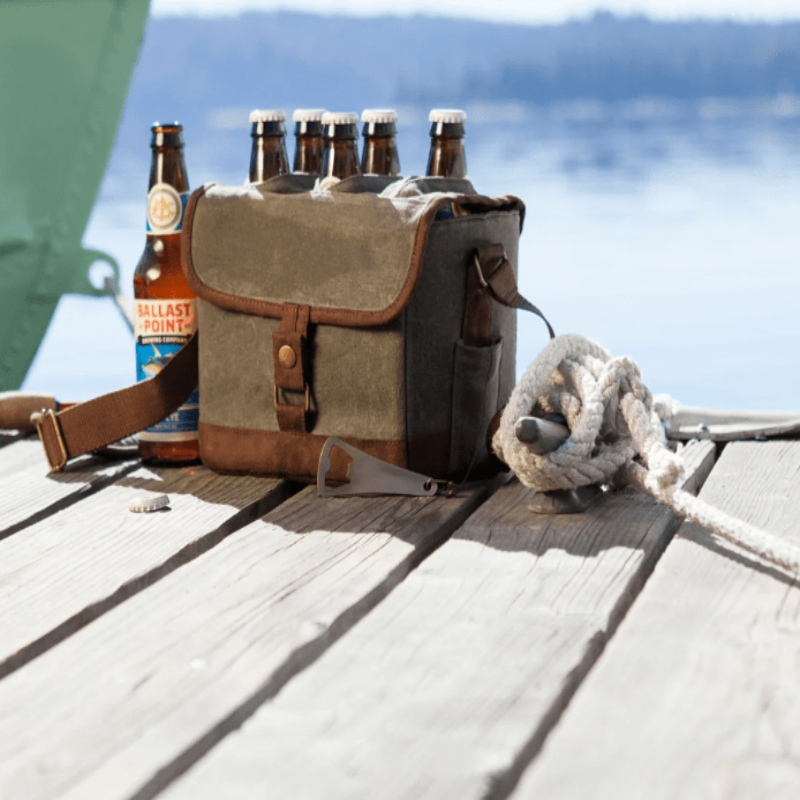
(359, 313)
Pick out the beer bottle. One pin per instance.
(268, 153)
(340, 157)
(446, 158)
(379, 156)
(165, 305)
(308, 141)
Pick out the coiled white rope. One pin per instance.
(611, 417)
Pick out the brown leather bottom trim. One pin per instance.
(281, 454)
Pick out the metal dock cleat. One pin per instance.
(542, 436)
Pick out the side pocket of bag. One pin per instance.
(476, 378)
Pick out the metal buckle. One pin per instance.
(42, 419)
(369, 475)
(306, 405)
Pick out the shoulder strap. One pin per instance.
(492, 279)
(88, 426)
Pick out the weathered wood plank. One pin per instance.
(28, 492)
(450, 685)
(698, 694)
(698, 459)
(131, 700)
(66, 570)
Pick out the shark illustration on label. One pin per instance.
(162, 327)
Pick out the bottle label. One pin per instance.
(445, 212)
(162, 327)
(165, 209)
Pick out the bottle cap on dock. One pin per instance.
(148, 504)
(448, 115)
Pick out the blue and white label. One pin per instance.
(165, 209)
(162, 327)
(445, 212)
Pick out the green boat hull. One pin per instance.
(65, 68)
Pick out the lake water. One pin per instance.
(666, 231)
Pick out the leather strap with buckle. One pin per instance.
(52, 438)
(289, 360)
(91, 426)
(491, 279)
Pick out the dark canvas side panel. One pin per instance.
(434, 318)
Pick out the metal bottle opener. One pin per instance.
(368, 475)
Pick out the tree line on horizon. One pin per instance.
(289, 60)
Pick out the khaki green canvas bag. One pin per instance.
(385, 318)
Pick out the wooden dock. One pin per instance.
(255, 640)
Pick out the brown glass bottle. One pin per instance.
(447, 158)
(165, 305)
(268, 153)
(340, 157)
(308, 141)
(379, 155)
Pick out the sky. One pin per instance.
(519, 11)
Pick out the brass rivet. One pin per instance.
(287, 357)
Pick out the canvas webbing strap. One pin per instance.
(16, 409)
(491, 279)
(89, 426)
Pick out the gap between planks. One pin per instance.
(9, 436)
(30, 493)
(698, 693)
(63, 570)
(153, 684)
(450, 686)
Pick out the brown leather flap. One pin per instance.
(354, 259)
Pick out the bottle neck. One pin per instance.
(308, 148)
(308, 127)
(167, 166)
(340, 159)
(447, 158)
(169, 187)
(268, 158)
(380, 156)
